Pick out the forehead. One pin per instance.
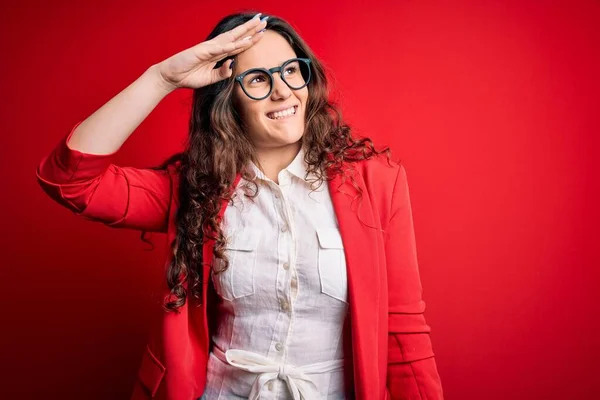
(271, 51)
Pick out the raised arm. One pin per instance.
(79, 174)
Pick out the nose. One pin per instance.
(281, 90)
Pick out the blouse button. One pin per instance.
(286, 265)
(278, 346)
(284, 228)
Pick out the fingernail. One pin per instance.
(256, 15)
(231, 65)
(264, 19)
(262, 30)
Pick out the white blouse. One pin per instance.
(284, 295)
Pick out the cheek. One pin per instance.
(303, 95)
(249, 111)
(255, 115)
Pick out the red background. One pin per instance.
(493, 106)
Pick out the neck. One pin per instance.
(273, 160)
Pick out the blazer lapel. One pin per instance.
(359, 236)
(207, 257)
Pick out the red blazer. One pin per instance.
(391, 355)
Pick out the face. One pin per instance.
(266, 130)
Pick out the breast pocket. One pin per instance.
(332, 264)
(237, 280)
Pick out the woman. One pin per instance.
(292, 271)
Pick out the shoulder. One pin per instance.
(385, 184)
(380, 172)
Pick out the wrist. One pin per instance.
(159, 81)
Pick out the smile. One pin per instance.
(283, 114)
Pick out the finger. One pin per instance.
(243, 44)
(238, 47)
(218, 52)
(217, 49)
(223, 72)
(248, 28)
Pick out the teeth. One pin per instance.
(282, 114)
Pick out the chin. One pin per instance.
(285, 138)
(292, 138)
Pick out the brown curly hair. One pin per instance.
(218, 148)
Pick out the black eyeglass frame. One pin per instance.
(270, 72)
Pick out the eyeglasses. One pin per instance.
(257, 83)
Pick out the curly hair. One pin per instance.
(217, 149)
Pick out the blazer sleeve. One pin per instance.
(412, 371)
(91, 186)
